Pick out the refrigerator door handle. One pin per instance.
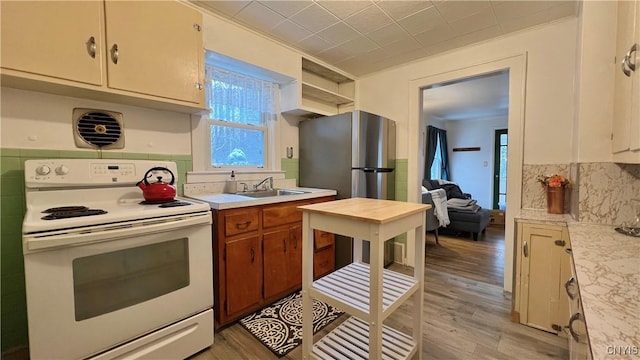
(373, 170)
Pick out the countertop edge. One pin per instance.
(221, 201)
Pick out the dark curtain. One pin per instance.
(432, 141)
(444, 155)
(433, 133)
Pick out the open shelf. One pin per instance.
(350, 340)
(348, 288)
(318, 91)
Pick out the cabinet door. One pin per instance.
(294, 272)
(52, 38)
(159, 48)
(243, 274)
(634, 141)
(541, 267)
(275, 244)
(626, 128)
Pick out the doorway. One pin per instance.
(468, 112)
(516, 65)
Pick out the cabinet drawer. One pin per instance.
(240, 221)
(281, 214)
(323, 262)
(323, 239)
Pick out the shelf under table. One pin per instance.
(348, 289)
(350, 340)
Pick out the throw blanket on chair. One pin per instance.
(439, 197)
(463, 205)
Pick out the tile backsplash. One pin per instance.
(609, 193)
(602, 193)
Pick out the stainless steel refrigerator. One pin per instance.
(353, 153)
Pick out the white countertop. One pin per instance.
(230, 201)
(607, 267)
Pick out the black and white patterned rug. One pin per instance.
(279, 326)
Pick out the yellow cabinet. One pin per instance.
(626, 120)
(155, 48)
(543, 265)
(53, 38)
(146, 53)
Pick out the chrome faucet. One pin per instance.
(270, 178)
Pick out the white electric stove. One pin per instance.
(108, 274)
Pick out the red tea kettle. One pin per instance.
(158, 191)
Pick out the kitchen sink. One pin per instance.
(268, 193)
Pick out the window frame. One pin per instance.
(202, 160)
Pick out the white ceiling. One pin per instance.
(364, 36)
(481, 97)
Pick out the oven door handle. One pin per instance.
(34, 242)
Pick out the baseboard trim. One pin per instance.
(515, 316)
(16, 353)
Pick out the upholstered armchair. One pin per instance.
(432, 221)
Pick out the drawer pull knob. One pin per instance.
(91, 47)
(575, 317)
(243, 225)
(569, 287)
(115, 53)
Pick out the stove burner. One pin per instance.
(174, 204)
(73, 213)
(66, 208)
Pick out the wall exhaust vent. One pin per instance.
(98, 129)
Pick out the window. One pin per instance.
(500, 169)
(436, 166)
(241, 121)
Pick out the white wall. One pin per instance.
(546, 110)
(473, 170)
(549, 112)
(234, 41)
(33, 120)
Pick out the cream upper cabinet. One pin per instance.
(37, 39)
(543, 265)
(626, 120)
(155, 48)
(145, 53)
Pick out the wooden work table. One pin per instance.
(369, 293)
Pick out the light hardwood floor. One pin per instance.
(466, 312)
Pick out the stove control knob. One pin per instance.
(62, 170)
(43, 170)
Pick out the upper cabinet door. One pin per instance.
(626, 118)
(154, 48)
(61, 39)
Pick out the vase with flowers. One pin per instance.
(555, 186)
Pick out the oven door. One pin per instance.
(87, 298)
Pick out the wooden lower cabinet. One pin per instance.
(258, 256)
(245, 273)
(543, 267)
(282, 261)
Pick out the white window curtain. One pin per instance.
(239, 101)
